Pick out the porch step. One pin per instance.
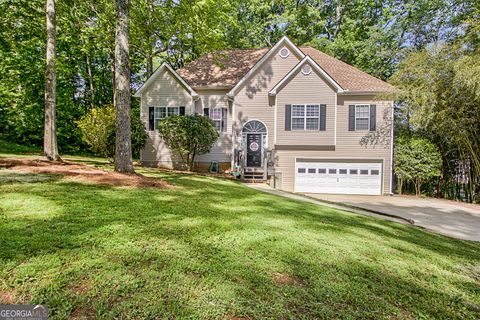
(253, 180)
(253, 177)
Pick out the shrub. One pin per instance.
(98, 131)
(188, 136)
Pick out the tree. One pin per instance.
(441, 100)
(417, 160)
(50, 147)
(98, 131)
(188, 136)
(123, 142)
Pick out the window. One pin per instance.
(362, 114)
(374, 172)
(312, 170)
(342, 171)
(322, 170)
(332, 171)
(216, 116)
(163, 112)
(305, 117)
(353, 171)
(301, 170)
(363, 171)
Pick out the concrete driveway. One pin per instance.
(459, 220)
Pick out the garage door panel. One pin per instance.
(338, 177)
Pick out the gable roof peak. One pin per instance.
(314, 65)
(282, 41)
(157, 72)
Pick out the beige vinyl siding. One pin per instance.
(222, 149)
(348, 145)
(252, 101)
(164, 91)
(306, 89)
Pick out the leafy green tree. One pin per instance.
(417, 160)
(441, 100)
(98, 131)
(188, 136)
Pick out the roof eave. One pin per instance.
(368, 92)
(213, 87)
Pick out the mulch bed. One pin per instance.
(81, 172)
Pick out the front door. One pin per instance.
(254, 150)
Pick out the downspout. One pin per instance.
(275, 124)
(232, 157)
(391, 148)
(335, 121)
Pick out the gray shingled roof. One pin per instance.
(227, 68)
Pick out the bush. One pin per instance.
(98, 131)
(188, 136)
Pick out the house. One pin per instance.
(293, 116)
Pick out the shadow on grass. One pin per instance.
(11, 176)
(235, 237)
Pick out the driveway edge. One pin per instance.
(337, 205)
(410, 221)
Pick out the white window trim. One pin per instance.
(368, 117)
(155, 119)
(305, 117)
(220, 119)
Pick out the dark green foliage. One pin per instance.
(12, 147)
(188, 136)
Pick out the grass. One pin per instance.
(214, 249)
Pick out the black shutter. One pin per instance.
(151, 118)
(288, 117)
(323, 117)
(182, 111)
(373, 117)
(351, 118)
(206, 112)
(224, 119)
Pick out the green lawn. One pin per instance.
(214, 249)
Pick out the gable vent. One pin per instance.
(284, 52)
(306, 70)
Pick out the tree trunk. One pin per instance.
(418, 187)
(123, 141)
(112, 72)
(192, 161)
(149, 57)
(91, 88)
(50, 147)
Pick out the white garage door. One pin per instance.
(338, 177)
